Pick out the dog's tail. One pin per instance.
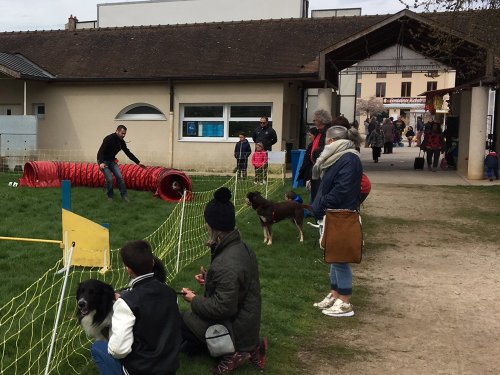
(307, 207)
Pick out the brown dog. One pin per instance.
(270, 213)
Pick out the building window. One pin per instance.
(405, 89)
(360, 75)
(39, 110)
(382, 75)
(141, 112)
(406, 74)
(358, 90)
(432, 85)
(380, 89)
(221, 121)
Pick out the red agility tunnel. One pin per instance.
(168, 184)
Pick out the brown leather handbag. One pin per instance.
(342, 238)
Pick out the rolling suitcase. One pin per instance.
(419, 161)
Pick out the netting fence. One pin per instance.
(27, 320)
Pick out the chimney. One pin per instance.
(71, 25)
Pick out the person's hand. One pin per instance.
(117, 295)
(188, 294)
(102, 166)
(142, 166)
(201, 277)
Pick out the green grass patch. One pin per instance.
(293, 275)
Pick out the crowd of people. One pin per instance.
(148, 331)
(429, 137)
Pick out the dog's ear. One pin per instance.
(105, 304)
(159, 270)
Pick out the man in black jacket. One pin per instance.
(106, 158)
(265, 134)
(145, 333)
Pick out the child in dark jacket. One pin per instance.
(242, 151)
(491, 163)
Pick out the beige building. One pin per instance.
(396, 77)
(185, 91)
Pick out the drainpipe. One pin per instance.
(24, 110)
(171, 122)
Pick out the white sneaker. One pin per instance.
(327, 302)
(339, 308)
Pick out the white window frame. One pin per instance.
(124, 116)
(226, 118)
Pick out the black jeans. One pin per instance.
(435, 154)
(388, 148)
(376, 153)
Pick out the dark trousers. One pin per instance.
(241, 167)
(430, 155)
(388, 148)
(376, 153)
(191, 345)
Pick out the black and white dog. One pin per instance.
(95, 306)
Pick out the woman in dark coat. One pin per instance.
(341, 170)
(232, 291)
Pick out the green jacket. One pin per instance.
(232, 294)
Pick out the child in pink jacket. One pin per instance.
(259, 161)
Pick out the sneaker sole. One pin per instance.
(349, 313)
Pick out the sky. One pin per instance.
(23, 15)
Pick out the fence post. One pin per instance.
(59, 308)
(180, 232)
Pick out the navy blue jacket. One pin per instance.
(340, 186)
(242, 150)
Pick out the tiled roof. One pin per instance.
(213, 50)
(248, 49)
(22, 67)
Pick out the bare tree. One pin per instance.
(459, 25)
(451, 5)
(372, 106)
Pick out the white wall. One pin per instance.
(168, 12)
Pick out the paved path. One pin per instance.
(397, 168)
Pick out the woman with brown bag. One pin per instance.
(340, 169)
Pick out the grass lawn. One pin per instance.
(293, 275)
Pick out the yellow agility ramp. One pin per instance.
(92, 241)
